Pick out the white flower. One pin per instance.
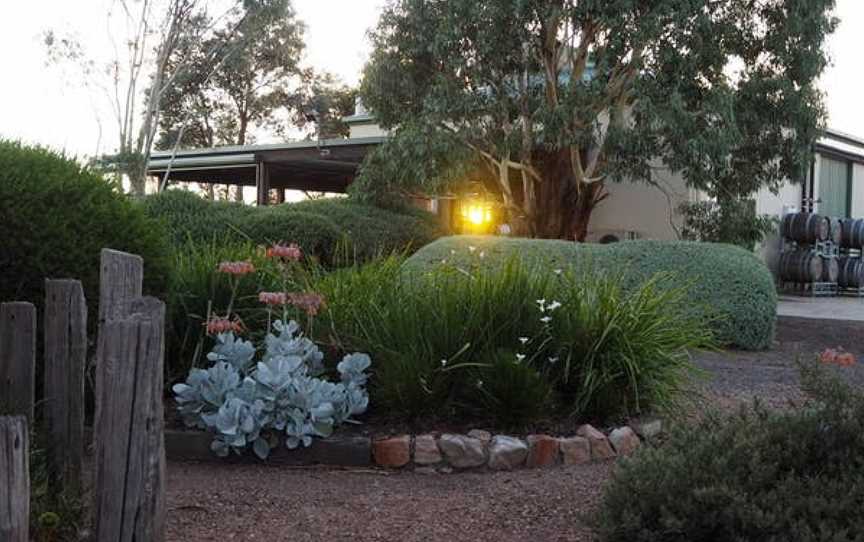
(443, 262)
(471, 249)
(553, 360)
(542, 304)
(479, 383)
(546, 319)
(452, 252)
(558, 271)
(482, 254)
(554, 305)
(520, 357)
(443, 363)
(523, 340)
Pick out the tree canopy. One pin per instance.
(552, 99)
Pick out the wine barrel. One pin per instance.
(830, 270)
(800, 266)
(805, 227)
(851, 273)
(853, 233)
(835, 231)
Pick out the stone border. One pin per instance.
(429, 452)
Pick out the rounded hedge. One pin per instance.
(727, 284)
(328, 227)
(57, 216)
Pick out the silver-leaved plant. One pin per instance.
(247, 403)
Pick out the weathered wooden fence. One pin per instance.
(65, 361)
(17, 358)
(128, 426)
(14, 480)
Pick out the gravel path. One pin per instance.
(772, 376)
(235, 502)
(253, 502)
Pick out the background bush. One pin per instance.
(334, 229)
(759, 476)
(480, 342)
(57, 216)
(724, 283)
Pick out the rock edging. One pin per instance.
(431, 453)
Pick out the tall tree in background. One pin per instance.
(145, 35)
(555, 98)
(260, 84)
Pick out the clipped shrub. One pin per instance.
(726, 284)
(757, 475)
(57, 216)
(316, 234)
(338, 230)
(510, 344)
(189, 217)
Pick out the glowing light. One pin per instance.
(476, 216)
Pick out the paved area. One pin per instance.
(822, 308)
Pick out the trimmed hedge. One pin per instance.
(57, 216)
(724, 283)
(331, 228)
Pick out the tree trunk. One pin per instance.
(564, 204)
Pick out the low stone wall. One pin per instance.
(443, 452)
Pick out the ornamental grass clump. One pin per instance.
(512, 344)
(261, 398)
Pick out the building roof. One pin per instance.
(326, 166)
(842, 145)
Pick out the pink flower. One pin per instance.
(272, 298)
(217, 325)
(310, 303)
(236, 268)
(837, 356)
(291, 252)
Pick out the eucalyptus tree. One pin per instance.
(553, 99)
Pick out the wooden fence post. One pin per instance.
(14, 480)
(65, 357)
(18, 358)
(121, 279)
(129, 498)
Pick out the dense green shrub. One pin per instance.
(335, 229)
(723, 282)
(191, 217)
(56, 217)
(511, 345)
(757, 476)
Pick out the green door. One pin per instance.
(834, 189)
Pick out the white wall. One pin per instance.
(366, 130)
(651, 211)
(858, 191)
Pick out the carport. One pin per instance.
(316, 166)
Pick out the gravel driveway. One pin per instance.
(236, 502)
(254, 502)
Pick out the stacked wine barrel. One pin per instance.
(851, 266)
(809, 259)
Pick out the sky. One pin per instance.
(47, 105)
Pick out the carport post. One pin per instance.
(262, 183)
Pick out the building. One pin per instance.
(834, 187)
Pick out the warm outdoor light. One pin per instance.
(476, 215)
